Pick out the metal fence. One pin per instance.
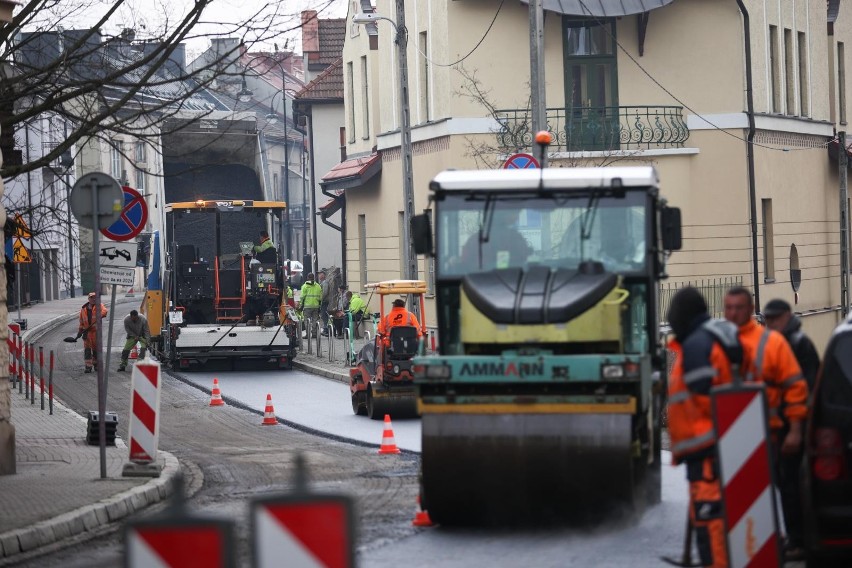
(597, 128)
(713, 290)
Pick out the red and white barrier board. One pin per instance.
(179, 542)
(145, 412)
(751, 521)
(308, 531)
(12, 343)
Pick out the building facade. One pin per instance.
(665, 87)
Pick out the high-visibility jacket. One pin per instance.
(701, 363)
(357, 304)
(398, 317)
(311, 295)
(88, 317)
(265, 243)
(774, 363)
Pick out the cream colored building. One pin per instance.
(667, 87)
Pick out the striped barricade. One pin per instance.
(144, 428)
(751, 521)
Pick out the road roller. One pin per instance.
(381, 381)
(542, 404)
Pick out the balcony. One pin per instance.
(624, 128)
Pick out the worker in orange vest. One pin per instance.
(398, 316)
(774, 364)
(707, 354)
(88, 331)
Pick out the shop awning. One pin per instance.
(352, 173)
(601, 8)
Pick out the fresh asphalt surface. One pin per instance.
(310, 401)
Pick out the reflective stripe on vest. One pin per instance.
(680, 396)
(699, 374)
(757, 373)
(791, 381)
(685, 446)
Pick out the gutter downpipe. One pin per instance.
(750, 155)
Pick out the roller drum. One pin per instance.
(522, 469)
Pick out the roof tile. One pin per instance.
(326, 85)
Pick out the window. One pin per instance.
(789, 74)
(362, 248)
(350, 82)
(140, 152)
(116, 166)
(768, 242)
(774, 69)
(804, 87)
(841, 80)
(591, 84)
(365, 100)
(425, 113)
(140, 179)
(544, 231)
(402, 245)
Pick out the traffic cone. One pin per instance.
(388, 441)
(421, 517)
(269, 413)
(216, 395)
(135, 353)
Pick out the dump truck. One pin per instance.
(214, 297)
(543, 401)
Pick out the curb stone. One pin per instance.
(315, 370)
(89, 517)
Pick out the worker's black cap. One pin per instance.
(776, 307)
(686, 305)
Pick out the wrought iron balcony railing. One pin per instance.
(597, 128)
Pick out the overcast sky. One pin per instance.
(220, 17)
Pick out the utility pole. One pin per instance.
(844, 224)
(405, 150)
(537, 91)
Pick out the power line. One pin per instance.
(469, 53)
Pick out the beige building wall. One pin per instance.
(694, 48)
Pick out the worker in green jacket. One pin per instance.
(309, 302)
(359, 310)
(265, 251)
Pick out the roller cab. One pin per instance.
(542, 405)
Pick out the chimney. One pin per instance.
(310, 31)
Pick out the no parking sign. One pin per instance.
(132, 219)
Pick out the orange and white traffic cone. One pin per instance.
(388, 442)
(269, 413)
(421, 517)
(216, 395)
(135, 353)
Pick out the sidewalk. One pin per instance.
(57, 491)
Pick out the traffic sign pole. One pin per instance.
(99, 368)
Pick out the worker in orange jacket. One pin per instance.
(774, 364)
(398, 316)
(88, 331)
(707, 354)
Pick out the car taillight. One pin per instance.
(828, 454)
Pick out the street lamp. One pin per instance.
(401, 40)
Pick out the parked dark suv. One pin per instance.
(827, 470)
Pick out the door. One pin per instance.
(591, 85)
